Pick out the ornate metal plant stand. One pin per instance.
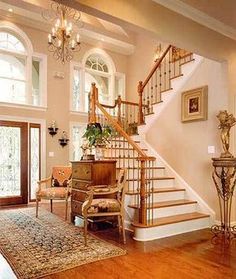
(224, 176)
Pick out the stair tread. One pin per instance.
(159, 190)
(173, 219)
(118, 140)
(154, 168)
(124, 148)
(166, 203)
(153, 178)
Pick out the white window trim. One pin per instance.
(74, 65)
(71, 124)
(43, 80)
(122, 75)
(29, 54)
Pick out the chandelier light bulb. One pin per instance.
(78, 38)
(59, 43)
(58, 22)
(49, 38)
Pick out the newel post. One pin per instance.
(143, 206)
(140, 110)
(119, 102)
(93, 98)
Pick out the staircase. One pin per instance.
(157, 204)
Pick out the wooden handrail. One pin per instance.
(122, 102)
(158, 63)
(122, 132)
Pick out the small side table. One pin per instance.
(224, 176)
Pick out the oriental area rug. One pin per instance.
(36, 247)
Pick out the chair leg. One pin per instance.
(85, 230)
(66, 209)
(119, 224)
(37, 207)
(123, 229)
(51, 205)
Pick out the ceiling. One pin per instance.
(218, 15)
(95, 31)
(222, 10)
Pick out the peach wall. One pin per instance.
(140, 62)
(185, 145)
(58, 96)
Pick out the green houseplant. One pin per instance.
(97, 137)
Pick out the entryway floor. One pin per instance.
(190, 255)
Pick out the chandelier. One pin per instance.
(63, 41)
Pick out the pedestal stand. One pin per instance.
(224, 176)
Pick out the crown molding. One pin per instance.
(199, 17)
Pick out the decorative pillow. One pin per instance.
(55, 183)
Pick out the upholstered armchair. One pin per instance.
(94, 206)
(55, 187)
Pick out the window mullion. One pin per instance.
(29, 96)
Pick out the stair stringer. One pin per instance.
(180, 182)
(177, 84)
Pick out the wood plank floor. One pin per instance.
(190, 255)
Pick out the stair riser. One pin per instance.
(167, 183)
(145, 234)
(172, 210)
(160, 197)
(136, 172)
(122, 153)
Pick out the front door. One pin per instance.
(13, 163)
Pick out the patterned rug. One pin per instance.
(38, 247)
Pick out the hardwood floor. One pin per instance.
(190, 255)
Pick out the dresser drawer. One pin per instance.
(81, 185)
(76, 207)
(78, 195)
(83, 172)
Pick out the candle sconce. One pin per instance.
(64, 139)
(53, 129)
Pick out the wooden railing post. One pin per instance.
(143, 206)
(140, 111)
(93, 98)
(119, 102)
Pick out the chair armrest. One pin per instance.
(87, 203)
(43, 181)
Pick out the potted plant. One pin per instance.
(97, 138)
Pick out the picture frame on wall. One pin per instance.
(194, 104)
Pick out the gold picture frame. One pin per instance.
(194, 104)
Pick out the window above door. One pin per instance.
(97, 67)
(23, 77)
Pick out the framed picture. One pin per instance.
(194, 104)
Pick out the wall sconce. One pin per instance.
(64, 139)
(53, 129)
(158, 53)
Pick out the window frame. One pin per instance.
(28, 55)
(73, 124)
(111, 75)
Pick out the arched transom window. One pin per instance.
(20, 76)
(98, 68)
(95, 62)
(10, 42)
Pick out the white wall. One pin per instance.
(184, 145)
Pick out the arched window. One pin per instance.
(20, 77)
(98, 67)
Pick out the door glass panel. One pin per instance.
(10, 161)
(34, 160)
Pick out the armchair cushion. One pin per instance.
(53, 193)
(104, 205)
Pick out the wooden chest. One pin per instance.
(87, 173)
